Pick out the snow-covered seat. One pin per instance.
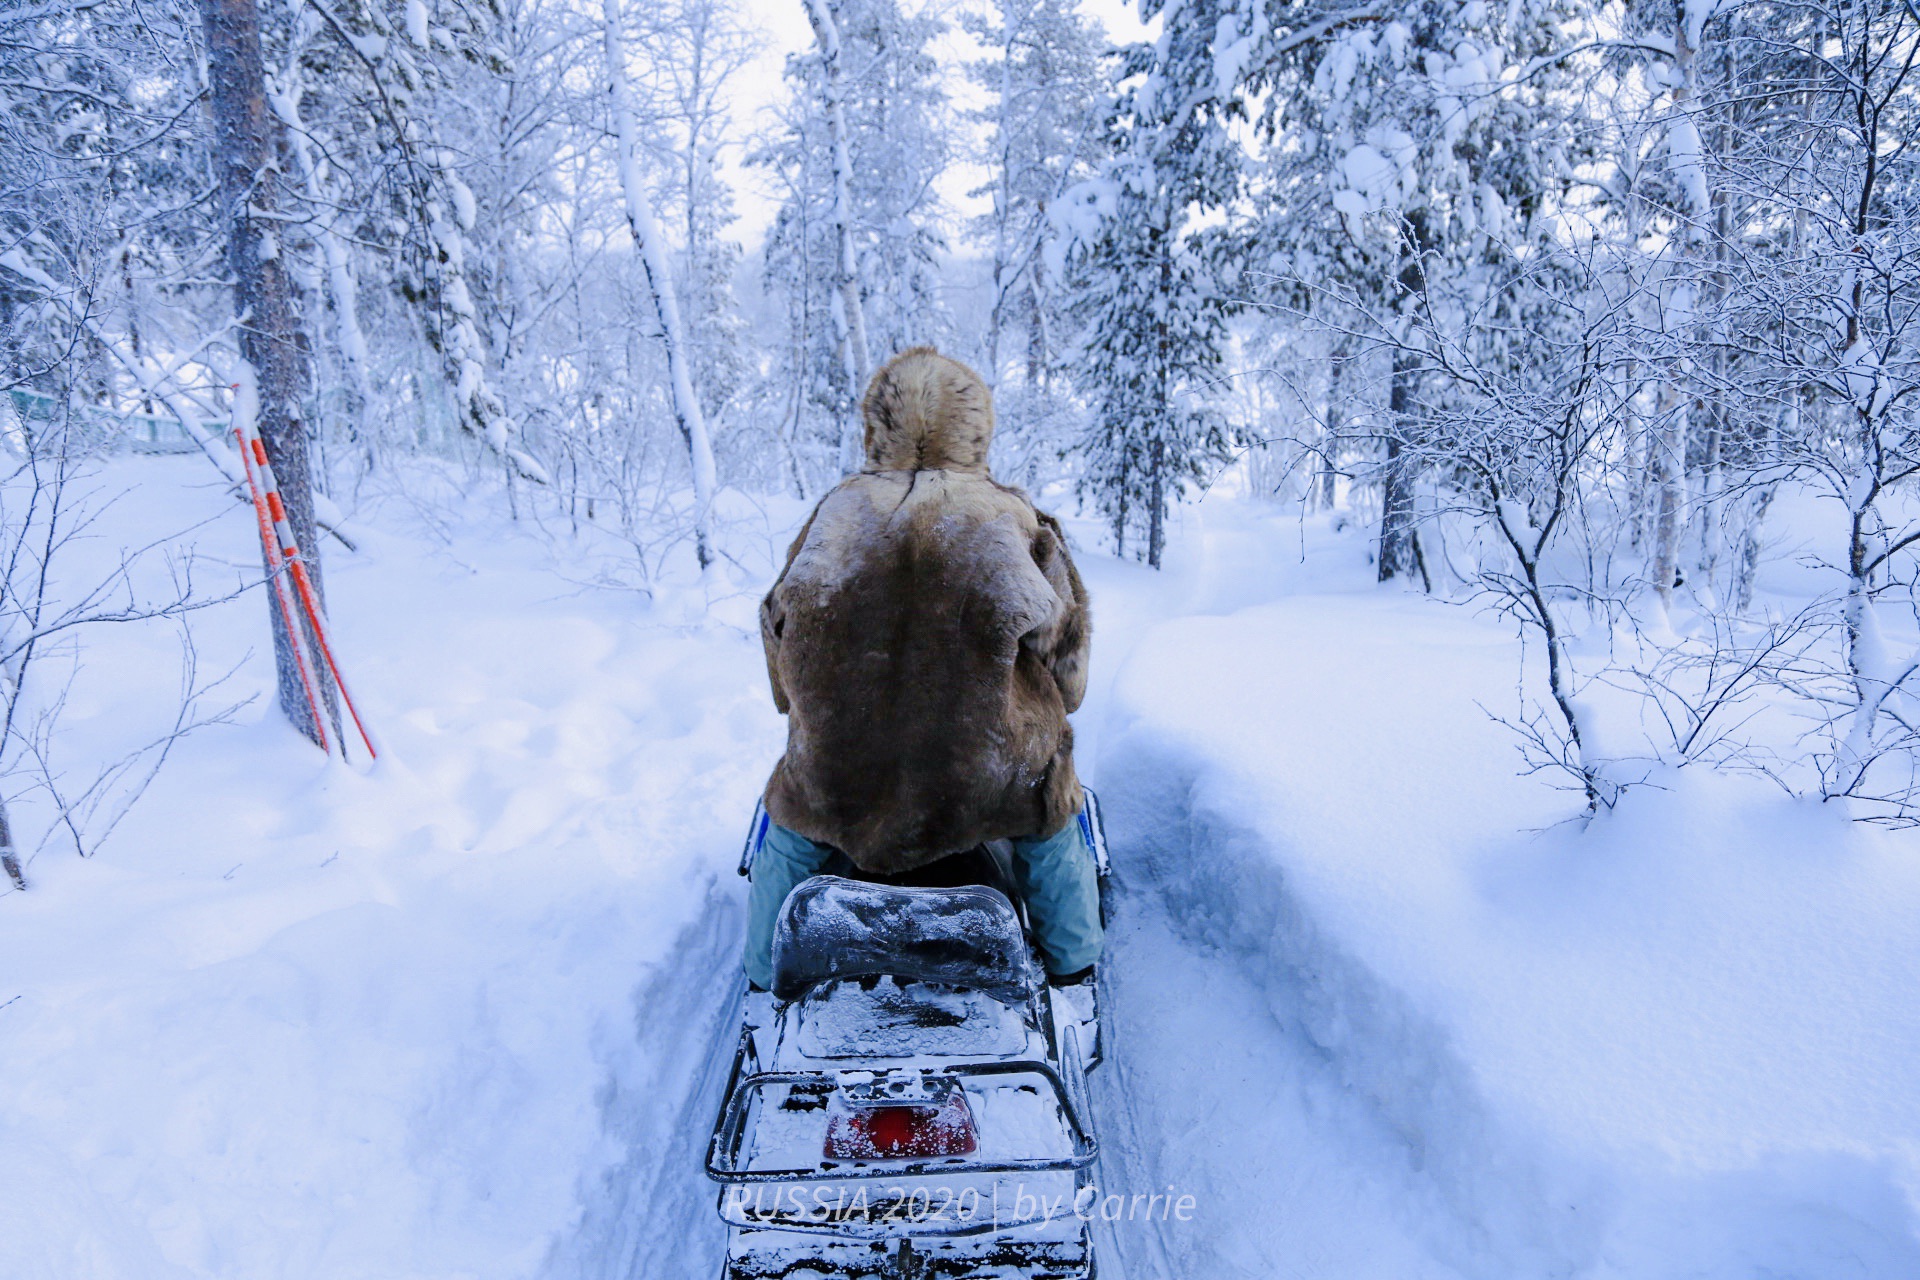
(970, 936)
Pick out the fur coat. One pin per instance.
(926, 641)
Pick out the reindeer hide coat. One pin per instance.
(926, 641)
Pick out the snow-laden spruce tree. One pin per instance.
(898, 134)
(1045, 79)
(1398, 159)
(1147, 295)
(393, 83)
(1046, 84)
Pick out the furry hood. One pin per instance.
(925, 412)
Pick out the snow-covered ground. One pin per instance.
(1679, 1043)
(1377, 1006)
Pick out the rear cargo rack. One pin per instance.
(723, 1155)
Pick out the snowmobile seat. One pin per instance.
(962, 936)
(982, 865)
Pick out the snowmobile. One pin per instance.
(910, 1100)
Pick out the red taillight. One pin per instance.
(901, 1130)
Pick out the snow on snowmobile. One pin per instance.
(910, 1099)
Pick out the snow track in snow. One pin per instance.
(1209, 1087)
(653, 1213)
(1128, 1156)
(1206, 1093)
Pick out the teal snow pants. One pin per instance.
(1054, 875)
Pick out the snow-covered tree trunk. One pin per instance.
(1885, 435)
(1687, 160)
(271, 338)
(10, 856)
(1399, 546)
(1324, 487)
(1398, 558)
(852, 315)
(1039, 325)
(653, 257)
(1713, 478)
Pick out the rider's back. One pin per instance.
(927, 641)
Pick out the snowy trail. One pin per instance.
(662, 1117)
(1206, 1091)
(1212, 1098)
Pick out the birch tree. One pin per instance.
(855, 353)
(1687, 159)
(897, 125)
(653, 256)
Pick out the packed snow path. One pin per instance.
(1370, 1007)
(1205, 1093)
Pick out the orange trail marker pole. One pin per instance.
(302, 660)
(256, 450)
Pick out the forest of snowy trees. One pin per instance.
(1580, 307)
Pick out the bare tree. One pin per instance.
(653, 256)
(852, 313)
(52, 602)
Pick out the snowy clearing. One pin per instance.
(1377, 1006)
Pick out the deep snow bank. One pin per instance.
(1682, 1042)
(297, 1021)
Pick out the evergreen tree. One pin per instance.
(1399, 172)
(1045, 78)
(898, 122)
(902, 125)
(1148, 291)
(1046, 92)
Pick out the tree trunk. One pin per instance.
(1804, 404)
(1163, 403)
(1326, 482)
(9, 856)
(1668, 467)
(1676, 398)
(853, 320)
(271, 338)
(1397, 554)
(1039, 357)
(1712, 467)
(1157, 497)
(653, 256)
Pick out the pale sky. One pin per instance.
(761, 86)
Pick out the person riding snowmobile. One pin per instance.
(926, 641)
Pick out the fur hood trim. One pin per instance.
(925, 412)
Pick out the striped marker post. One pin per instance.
(276, 569)
(272, 509)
